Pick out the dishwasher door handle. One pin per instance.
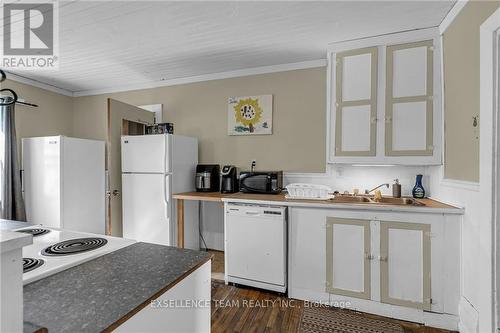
(254, 213)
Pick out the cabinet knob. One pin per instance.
(369, 256)
(382, 258)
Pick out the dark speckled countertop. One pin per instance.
(94, 295)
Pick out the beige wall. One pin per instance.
(461, 95)
(200, 109)
(54, 116)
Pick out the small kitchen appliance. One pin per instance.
(207, 178)
(163, 128)
(266, 182)
(229, 176)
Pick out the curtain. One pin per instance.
(12, 203)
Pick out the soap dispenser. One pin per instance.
(418, 191)
(396, 189)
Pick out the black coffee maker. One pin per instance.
(229, 177)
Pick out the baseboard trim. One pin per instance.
(431, 319)
(469, 317)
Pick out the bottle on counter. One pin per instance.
(396, 189)
(418, 190)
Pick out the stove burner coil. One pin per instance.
(35, 232)
(73, 246)
(30, 264)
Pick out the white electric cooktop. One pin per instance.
(54, 250)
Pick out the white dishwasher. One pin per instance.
(256, 244)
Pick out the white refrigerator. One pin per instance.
(63, 183)
(153, 168)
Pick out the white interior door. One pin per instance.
(405, 275)
(119, 114)
(146, 153)
(146, 209)
(348, 253)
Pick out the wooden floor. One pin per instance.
(217, 264)
(231, 312)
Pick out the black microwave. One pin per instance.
(268, 182)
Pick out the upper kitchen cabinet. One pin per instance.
(356, 102)
(384, 100)
(409, 96)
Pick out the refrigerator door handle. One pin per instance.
(22, 180)
(166, 195)
(167, 167)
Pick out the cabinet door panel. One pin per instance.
(356, 128)
(348, 264)
(409, 100)
(405, 284)
(410, 72)
(409, 124)
(356, 77)
(405, 264)
(356, 102)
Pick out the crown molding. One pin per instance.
(207, 77)
(452, 14)
(38, 84)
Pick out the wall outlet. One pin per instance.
(339, 172)
(253, 165)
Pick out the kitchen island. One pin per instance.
(142, 287)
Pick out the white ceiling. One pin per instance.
(108, 44)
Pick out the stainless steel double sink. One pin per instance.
(359, 199)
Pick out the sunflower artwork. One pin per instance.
(250, 115)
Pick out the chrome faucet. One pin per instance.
(373, 189)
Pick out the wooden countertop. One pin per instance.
(430, 205)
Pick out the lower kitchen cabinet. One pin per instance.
(398, 264)
(405, 264)
(348, 257)
(183, 308)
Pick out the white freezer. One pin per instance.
(63, 182)
(146, 153)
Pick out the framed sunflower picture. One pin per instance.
(250, 115)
